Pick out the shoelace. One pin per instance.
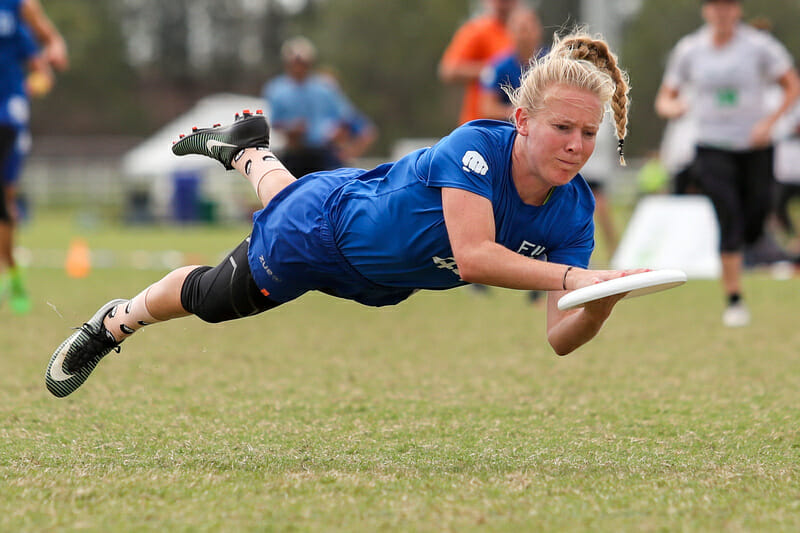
(96, 344)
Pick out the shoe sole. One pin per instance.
(62, 384)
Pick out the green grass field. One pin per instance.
(448, 412)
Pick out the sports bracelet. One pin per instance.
(564, 281)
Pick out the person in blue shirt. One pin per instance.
(19, 55)
(496, 203)
(310, 110)
(24, 70)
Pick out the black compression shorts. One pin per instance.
(225, 292)
(740, 185)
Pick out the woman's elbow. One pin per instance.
(561, 349)
(470, 271)
(446, 73)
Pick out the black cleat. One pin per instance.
(77, 356)
(223, 143)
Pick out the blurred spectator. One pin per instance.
(473, 45)
(55, 48)
(357, 132)
(24, 73)
(321, 126)
(729, 66)
(677, 152)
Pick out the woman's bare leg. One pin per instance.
(264, 171)
(159, 302)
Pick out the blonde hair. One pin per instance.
(582, 61)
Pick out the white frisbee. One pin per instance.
(634, 284)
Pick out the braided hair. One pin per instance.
(578, 60)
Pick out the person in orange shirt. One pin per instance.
(472, 46)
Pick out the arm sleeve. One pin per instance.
(465, 159)
(676, 73)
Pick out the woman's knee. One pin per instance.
(221, 293)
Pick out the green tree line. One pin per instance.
(385, 54)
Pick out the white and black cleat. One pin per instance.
(77, 356)
(222, 143)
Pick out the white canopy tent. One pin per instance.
(154, 156)
(152, 166)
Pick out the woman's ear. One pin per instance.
(521, 118)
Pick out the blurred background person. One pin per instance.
(506, 68)
(473, 45)
(677, 151)
(24, 71)
(729, 66)
(323, 129)
(55, 48)
(357, 133)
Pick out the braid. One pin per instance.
(596, 51)
(578, 60)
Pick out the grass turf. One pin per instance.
(448, 412)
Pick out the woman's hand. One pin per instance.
(577, 278)
(761, 135)
(568, 330)
(669, 104)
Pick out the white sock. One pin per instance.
(126, 318)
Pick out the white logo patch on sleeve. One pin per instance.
(474, 162)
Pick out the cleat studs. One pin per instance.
(181, 136)
(217, 125)
(194, 128)
(259, 111)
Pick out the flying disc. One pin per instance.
(634, 285)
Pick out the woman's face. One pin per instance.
(722, 16)
(555, 142)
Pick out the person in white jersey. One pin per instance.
(728, 65)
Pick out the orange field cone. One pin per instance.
(79, 260)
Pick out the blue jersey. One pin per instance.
(16, 48)
(11, 166)
(376, 236)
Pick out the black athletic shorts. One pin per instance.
(740, 185)
(225, 292)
